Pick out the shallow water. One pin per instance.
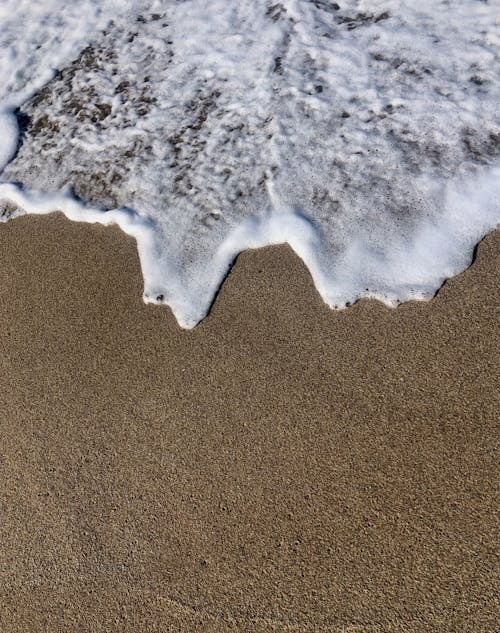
(365, 135)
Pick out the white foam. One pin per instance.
(9, 137)
(368, 138)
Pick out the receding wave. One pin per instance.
(366, 135)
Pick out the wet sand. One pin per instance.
(282, 467)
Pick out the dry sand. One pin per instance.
(282, 467)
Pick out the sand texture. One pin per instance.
(282, 467)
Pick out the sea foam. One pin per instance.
(366, 135)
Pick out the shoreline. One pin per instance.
(280, 467)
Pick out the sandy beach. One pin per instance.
(282, 467)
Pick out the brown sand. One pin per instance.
(282, 467)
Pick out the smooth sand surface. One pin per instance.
(282, 467)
